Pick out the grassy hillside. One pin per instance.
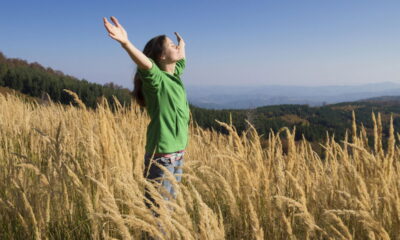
(75, 173)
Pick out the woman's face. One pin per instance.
(171, 51)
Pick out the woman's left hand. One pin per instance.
(181, 45)
(180, 39)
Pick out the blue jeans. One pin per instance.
(153, 172)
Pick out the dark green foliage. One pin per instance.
(314, 123)
(34, 80)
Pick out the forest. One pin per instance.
(35, 80)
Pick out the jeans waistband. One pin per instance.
(166, 155)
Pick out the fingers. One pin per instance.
(177, 35)
(107, 24)
(115, 21)
(180, 40)
(105, 21)
(181, 43)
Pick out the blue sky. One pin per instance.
(227, 42)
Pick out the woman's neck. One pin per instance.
(168, 67)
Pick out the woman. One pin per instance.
(158, 88)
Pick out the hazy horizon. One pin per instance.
(311, 43)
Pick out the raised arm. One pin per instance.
(119, 34)
(181, 45)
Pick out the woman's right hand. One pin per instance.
(116, 32)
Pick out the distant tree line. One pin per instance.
(265, 119)
(314, 123)
(35, 80)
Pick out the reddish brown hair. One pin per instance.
(153, 49)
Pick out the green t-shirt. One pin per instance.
(167, 105)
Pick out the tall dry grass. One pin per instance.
(75, 173)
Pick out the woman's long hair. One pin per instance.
(153, 49)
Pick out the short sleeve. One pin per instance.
(151, 77)
(180, 66)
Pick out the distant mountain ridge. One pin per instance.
(386, 99)
(243, 97)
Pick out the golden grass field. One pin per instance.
(75, 173)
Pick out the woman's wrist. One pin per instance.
(124, 43)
